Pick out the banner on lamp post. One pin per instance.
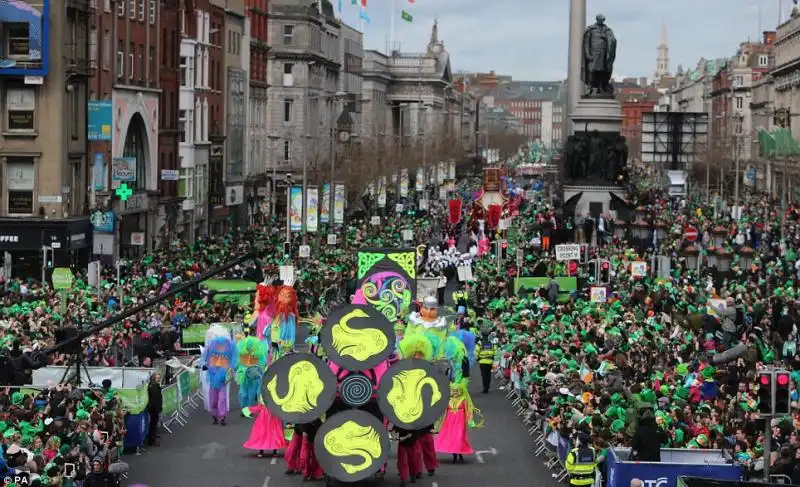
(312, 209)
(338, 204)
(325, 204)
(442, 172)
(404, 183)
(419, 182)
(296, 209)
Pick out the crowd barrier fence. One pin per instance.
(180, 398)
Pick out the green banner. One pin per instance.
(133, 400)
(566, 285)
(169, 396)
(195, 334)
(183, 383)
(194, 382)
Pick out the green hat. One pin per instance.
(648, 396)
(82, 414)
(17, 398)
(708, 373)
(617, 426)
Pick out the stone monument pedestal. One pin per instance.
(603, 114)
(595, 157)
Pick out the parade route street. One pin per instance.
(204, 455)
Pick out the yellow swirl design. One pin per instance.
(361, 344)
(305, 387)
(405, 396)
(353, 439)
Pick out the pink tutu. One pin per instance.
(267, 432)
(452, 437)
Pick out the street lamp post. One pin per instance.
(273, 137)
(737, 157)
(289, 207)
(342, 134)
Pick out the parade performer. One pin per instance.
(427, 320)
(251, 360)
(292, 454)
(263, 310)
(427, 449)
(408, 459)
(214, 331)
(219, 359)
(267, 432)
(461, 414)
(456, 354)
(283, 331)
(309, 466)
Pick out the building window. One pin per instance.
(152, 15)
(185, 183)
(739, 102)
(184, 71)
(141, 10)
(738, 81)
(182, 125)
(287, 151)
(20, 178)
(288, 68)
(17, 40)
(288, 35)
(107, 5)
(287, 110)
(152, 61)
(140, 62)
(131, 53)
(75, 108)
(120, 8)
(106, 50)
(132, 7)
(20, 109)
(120, 60)
(763, 60)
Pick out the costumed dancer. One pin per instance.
(470, 341)
(263, 311)
(456, 354)
(408, 460)
(251, 360)
(214, 331)
(461, 414)
(267, 432)
(309, 466)
(283, 330)
(422, 346)
(427, 320)
(292, 454)
(219, 359)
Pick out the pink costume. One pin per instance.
(452, 437)
(483, 246)
(267, 432)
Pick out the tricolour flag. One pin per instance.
(406, 16)
(586, 374)
(363, 16)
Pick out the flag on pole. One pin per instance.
(364, 3)
(410, 1)
(353, 2)
(406, 16)
(340, 7)
(363, 16)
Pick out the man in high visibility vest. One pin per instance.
(581, 463)
(486, 353)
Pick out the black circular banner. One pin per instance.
(299, 388)
(413, 394)
(356, 390)
(352, 445)
(357, 337)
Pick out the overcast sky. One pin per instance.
(528, 38)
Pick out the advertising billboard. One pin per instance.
(25, 36)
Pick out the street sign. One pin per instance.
(520, 256)
(62, 278)
(568, 252)
(305, 251)
(690, 234)
(331, 239)
(375, 221)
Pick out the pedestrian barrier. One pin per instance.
(180, 398)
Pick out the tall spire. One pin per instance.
(435, 32)
(662, 60)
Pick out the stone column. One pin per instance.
(577, 25)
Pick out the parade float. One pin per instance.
(497, 198)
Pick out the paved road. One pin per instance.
(204, 455)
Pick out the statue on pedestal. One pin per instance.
(599, 53)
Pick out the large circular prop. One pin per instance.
(357, 337)
(356, 390)
(413, 394)
(299, 388)
(352, 445)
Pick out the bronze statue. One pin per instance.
(599, 53)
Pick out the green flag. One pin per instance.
(353, 2)
(406, 16)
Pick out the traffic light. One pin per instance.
(287, 249)
(605, 272)
(783, 393)
(504, 249)
(765, 392)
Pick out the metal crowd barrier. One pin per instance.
(180, 398)
(548, 444)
